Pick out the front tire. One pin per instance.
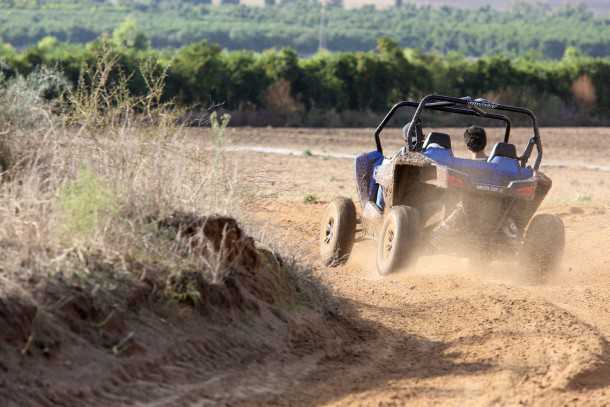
(337, 231)
(543, 246)
(397, 242)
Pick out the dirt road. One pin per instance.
(446, 333)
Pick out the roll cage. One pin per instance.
(465, 106)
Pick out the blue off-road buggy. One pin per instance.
(424, 199)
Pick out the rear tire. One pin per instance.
(397, 242)
(337, 231)
(543, 246)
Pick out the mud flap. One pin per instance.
(365, 183)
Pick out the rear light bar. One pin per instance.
(526, 191)
(455, 181)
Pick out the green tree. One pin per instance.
(127, 35)
(198, 75)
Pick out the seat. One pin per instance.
(503, 150)
(440, 139)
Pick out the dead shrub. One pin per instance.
(26, 101)
(278, 98)
(584, 92)
(217, 241)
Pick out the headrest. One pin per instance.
(441, 139)
(504, 150)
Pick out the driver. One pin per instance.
(476, 141)
(415, 134)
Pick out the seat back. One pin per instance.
(440, 139)
(503, 150)
(499, 170)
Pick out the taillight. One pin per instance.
(526, 191)
(455, 181)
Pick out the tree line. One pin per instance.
(525, 28)
(573, 90)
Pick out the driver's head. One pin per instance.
(475, 138)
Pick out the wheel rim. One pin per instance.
(329, 230)
(388, 241)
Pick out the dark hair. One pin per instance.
(475, 138)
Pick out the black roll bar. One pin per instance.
(470, 107)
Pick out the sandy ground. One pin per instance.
(445, 333)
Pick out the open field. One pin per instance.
(599, 5)
(446, 333)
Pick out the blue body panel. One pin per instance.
(365, 169)
(499, 171)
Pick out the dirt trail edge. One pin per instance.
(446, 332)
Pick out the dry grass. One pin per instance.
(91, 178)
(90, 186)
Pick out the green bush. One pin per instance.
(324, 89)
(25, 100)
(86, 204)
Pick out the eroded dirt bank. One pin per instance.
(137, 333)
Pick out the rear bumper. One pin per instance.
(457, 180)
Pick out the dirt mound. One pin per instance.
(214, 236)
(228, 257)
(131, 331)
